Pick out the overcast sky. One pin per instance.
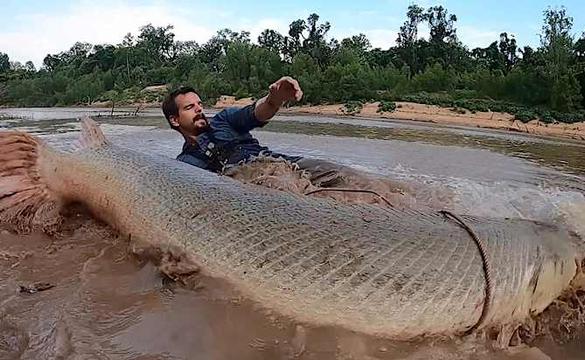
(29, 30)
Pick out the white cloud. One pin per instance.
(38, 34)
(255, 27)
(107, 22)
(474, 37)
(379, 38)
(382, 38)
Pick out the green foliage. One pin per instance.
(434, 79)
(352, 107)
(4, 63)
(386, 106)
(559, 69)
(525, 116)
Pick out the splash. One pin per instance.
(283, 175)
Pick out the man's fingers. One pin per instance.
(287, 87)
(297, 88)
(291, 81)
(295, 85)
(299, 95)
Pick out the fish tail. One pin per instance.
(26, 203)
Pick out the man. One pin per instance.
(225, 139)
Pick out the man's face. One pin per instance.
(191, 119)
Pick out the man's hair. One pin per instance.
(169, 106)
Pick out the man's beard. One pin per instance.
(205, 128)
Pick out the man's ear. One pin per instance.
(174, 120)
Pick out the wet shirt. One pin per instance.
(230, 132)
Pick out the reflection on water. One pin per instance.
(567, 156)
(109, 304)
(60, 113)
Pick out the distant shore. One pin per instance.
(404, 111)
(436, 115)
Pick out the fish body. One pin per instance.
(390, 272)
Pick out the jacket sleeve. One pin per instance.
(240, 119)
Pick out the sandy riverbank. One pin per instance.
(436, 115)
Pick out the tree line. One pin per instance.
(546, 82)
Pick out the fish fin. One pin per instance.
(26, 203)
(92, 137)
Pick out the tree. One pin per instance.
(409, 30)
(309, 37)
(490, 57)
(102, 57)
(441, 24)
(434, 79)
(551, 76)
(29, 66)
(580, 60)
(557, 45)
(271, 40)
(508, 49)
(358, 43)
(408, 36)
(499, 56)
(157, 41)
(580, 49)
(51, 62)
(16, 66)
(4, 62)
(304, 68)
(212, 51)
(442, 46)
(187, 48)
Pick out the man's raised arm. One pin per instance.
(284, 89)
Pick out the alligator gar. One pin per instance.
(391, 272)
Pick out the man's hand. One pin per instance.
(284, 89)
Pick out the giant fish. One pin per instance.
(392, 272)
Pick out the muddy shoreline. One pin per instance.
(434, 115)
(405, 112)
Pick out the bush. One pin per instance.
(386, 106)
(547, 118)
(525, 116)
(435, 78)
(352, 107)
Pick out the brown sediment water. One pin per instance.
(106, 302)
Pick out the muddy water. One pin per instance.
(103, 302)
(108, 303)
